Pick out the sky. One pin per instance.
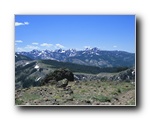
(106, 32)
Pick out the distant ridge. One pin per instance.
(89, 56)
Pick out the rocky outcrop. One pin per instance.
(61, 73)
(60, 77)
(126, 75)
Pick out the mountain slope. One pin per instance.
(19, 57)
(30, 73)
(104, 59)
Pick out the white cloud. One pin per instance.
(27, 48)
(87, 46)
(19, 41)
(26, 23)
(59, 46)
(114, 46)
(31, 47)
(18, 49)
(21, 23)
(35, 43)
(38, 46)
(46, 45)
(18, 23)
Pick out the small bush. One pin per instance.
(18, 102)
(103, 79)
(102, 98)
(119, 90)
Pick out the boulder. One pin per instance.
(59, 75)
(62, 83)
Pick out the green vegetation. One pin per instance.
(28, 96)
(102, 98)
(19, 102)
(82, 68)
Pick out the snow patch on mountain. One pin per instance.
(26, 63)
(63, 51)
(36, 67)
(37, 79)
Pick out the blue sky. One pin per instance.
(106, 32)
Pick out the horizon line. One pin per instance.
(75, 49)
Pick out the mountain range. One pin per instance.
(89, 56)
(92, 64)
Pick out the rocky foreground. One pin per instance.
(87, 92)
